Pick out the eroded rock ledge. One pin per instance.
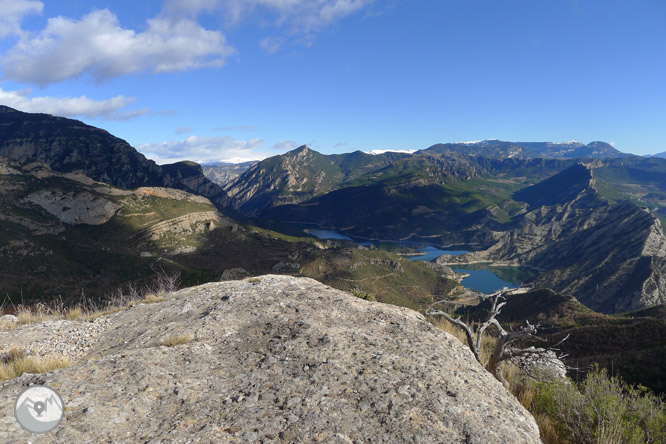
(275, 359)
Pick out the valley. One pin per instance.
(404, 229)
(479, 277)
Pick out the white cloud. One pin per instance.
(97, 46)
(183, 130)
(205, 149)
(285, 145)
(12, 13)
(271, 44)
(302, 16)
(110, 109)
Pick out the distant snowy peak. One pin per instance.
(377, 152)
(472, 142)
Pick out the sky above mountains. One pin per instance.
(210, 80)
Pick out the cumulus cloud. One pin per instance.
(205, 149)
(110, 109)
(12, 13)
(98, 47)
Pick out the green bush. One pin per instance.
(602, 409)
(364, 295)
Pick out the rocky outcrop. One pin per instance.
(75, 208)
(275, 359)
(170, 232)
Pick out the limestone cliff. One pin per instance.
(275, 359)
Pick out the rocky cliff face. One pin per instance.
(70, 146)
(274, 359)
(609, 256)
(190, 176)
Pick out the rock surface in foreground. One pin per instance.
(275, 359)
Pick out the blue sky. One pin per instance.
(214, 80)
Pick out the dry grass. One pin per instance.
(177, 340)
(624, 414)
(91, 316)
(487, 341)
(26, 316)
(547, 430)
(15, 363)
(74, 313)
(451, 329)
(152, 298)
(87, 310)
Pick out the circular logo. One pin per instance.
(39, 409)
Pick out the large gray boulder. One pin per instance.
(275, 359)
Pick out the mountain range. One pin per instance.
(516, 210)
(83, 213)
(531, 150)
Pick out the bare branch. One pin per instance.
(508, 345)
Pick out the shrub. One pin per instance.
(364, 295)
(602, 409)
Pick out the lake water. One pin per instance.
(481, 277)
(484, 280)
(326, 234)
(430, 253)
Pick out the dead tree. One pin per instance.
(509, 344)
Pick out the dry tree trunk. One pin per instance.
(508, 344)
